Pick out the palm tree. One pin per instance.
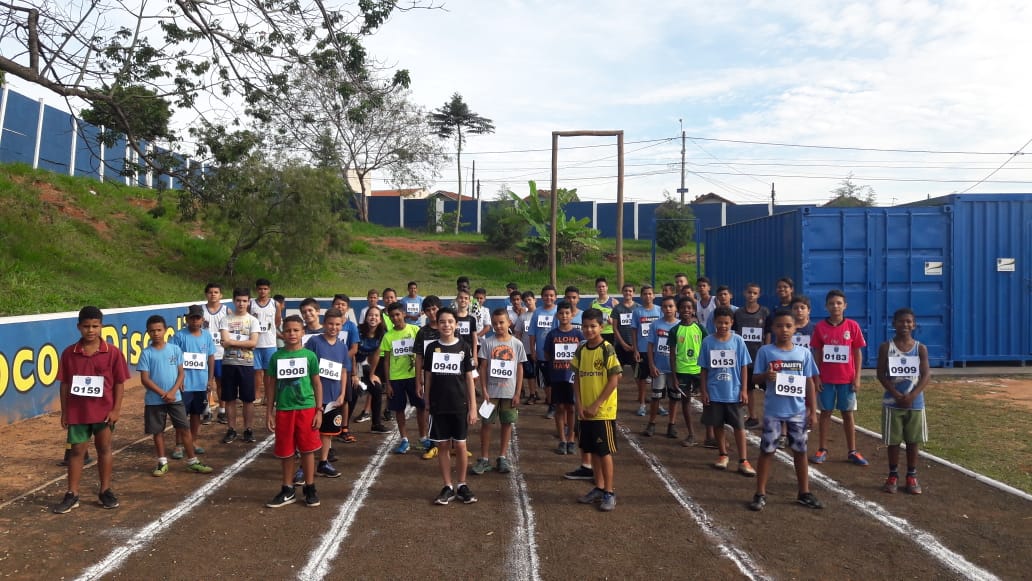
(454, 118)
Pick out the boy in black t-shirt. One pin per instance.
(450, 396)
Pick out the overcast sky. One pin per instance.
(850, 79)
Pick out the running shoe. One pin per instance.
(502, 466)
(161, 470)
(571, 448)
(311, 498)
(426, 443)
(403, 447)
(912, 486)
(379, 429)
(820, 457)
(891, 484)
(198, 450)
(66, 505)
(346, 437)
(430, 454)
(752, 423)
(465, 494)
(710, 443)
(649, 429)
(286, 496)
(608, 502)
(561, 449)
(248, 436)
(721, 463)
(177, 454)
(758, 502)
(199, 468)
(808, 500)
(221, 418)
(108, 499)
(299, 477)
(857, 458)
(641, 411)
(482, 465)
(446, 496)
(550, 414)
(663, 411)
(326, 469)
(363, 418)
(671, 431)
(581, 473)
(593, 496)
(230, 436)
(746, 469)
(206, 419)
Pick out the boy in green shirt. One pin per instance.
(400, 368)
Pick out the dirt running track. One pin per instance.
(676, 517)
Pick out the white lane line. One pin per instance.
(522, 557)
(925, 540)
(724, 540)
(147, 534)
(321, 559)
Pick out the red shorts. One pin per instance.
(294, 432)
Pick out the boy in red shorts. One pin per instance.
(292, 382)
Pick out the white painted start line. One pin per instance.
(724, 540)
(522, 558)
(147, 534)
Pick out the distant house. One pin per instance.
(408, 194)
(450, 196)
(711, 198)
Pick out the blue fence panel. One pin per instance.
(114, 161)
(385, 211)
(606, 219)
(708, 215)
(646, 221)
(18, 142)
(141, 177)
(630, 216)
(417, 214)
(55, 149)
(87, 151)
(580, 210)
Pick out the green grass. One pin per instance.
(970, 427)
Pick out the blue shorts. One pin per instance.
(837, 396)
(404, 393)
(218, 369)
(195, 402)
(772, 431)
(262, 356)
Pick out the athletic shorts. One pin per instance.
(218, 369)
(445, 427)
(294, 433)
(719, 413)
(643, 371)
(837, 396)
(690, 384)
(625, 356)
(528, 369)
(903, 426)
(404, 393)
(665, 386)
(332, 422)
(195, 402)
(543, 371)
(81, 433)
(503, 412)
(772, 431)
(238, 383)
(262, 356)
(598, 437)
(154, 417)
(562, 392)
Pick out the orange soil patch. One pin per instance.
(1016, 390)
(429, 247)
(52, 196)
(144, 203)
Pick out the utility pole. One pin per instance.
(682, 190)
(478, 189)
(771, 198)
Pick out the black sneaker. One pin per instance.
(311, 498)
(581, 473)
(206, 419)
(446, 495)
(221, 418)
(230, 436)
(387, 417)
(326, 469)
(752, 423)
(286, 496)
(248, 436)
(108, 499)
(808, 500)
(66, 505)
(466, 495)
(758, 502)
(380, 429)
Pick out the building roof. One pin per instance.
(451, 196)
(405, 193)
(711, 198)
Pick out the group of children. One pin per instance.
(436, 359)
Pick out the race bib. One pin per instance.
(447, 363)
(752, 334)
(402, 347)
(625, 319)
(87, 385)
(790, 385)
(412, 309)
(904, 366)
(723, 359)
(292, 368)
(330, 369)
(565, 351)
(645, 327)
(264, 326)
(217, 337)
(801, 340)
(195, 361)
(661, 346)
(526, 325)
(835, 354)
(545, 322)
(502, 369)
(463, 327)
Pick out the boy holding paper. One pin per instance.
(501, 378)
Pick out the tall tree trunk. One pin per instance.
(458, 164)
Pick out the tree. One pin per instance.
(453, 118)
(851, 195)
(371, 128)
(132, 63)
(675, 224)
(574, 239)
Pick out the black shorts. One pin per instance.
(528, 370)
(543, 370)
(689, 383)
(562, 392)
(716, 414)
(332, 422)
(625, 356)
(238, 383)
(195, 402)
(643, 371)
(598, 437)
(444, 427)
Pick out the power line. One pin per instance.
(843, 147)
(1005, 162)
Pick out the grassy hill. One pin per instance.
(66, 242)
